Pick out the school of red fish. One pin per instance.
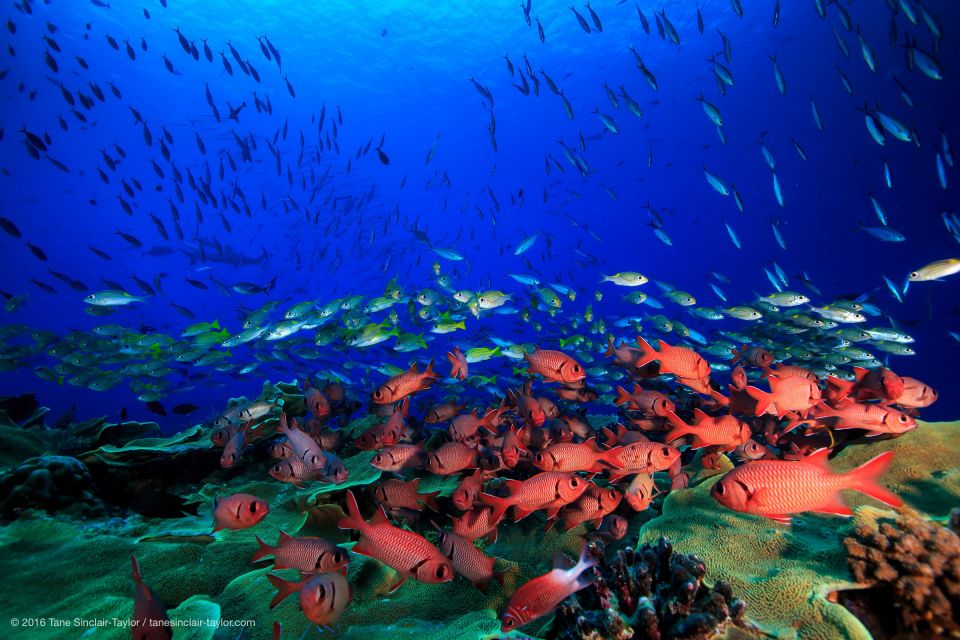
(525, 455)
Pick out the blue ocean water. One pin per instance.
(337, 223)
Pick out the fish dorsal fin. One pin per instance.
(663, 346)
(774, 381)
(413, 368)
(819, 459)
(513, 486)
(860, 373)
(415, 483)
(284, 538)
(621, 430)
(609, 435)
(699, 416)
(562, 561)
(379, 516)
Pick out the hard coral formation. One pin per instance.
(913, 568)
(49, 483)
(649, 593)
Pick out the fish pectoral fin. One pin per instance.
(396, 585)
(362, 548)
(835, 507)
(783, 519)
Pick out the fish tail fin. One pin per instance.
(585, 562)
(737, 356)
(263, 550)
(649, 353)
(610, 348)
(680, 428)
(454, 365)
(353, 520)
(215, 324)
(762, 397)
(284, 588)
(865, 479)
(429, 372)
(623, 397)
(499, 505)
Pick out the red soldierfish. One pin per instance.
(869, 384)
(723, 431)
(593, 505)
(646, 401)
(535, 493)
(554, 366)
(476, 523)
(239, 511)
(442, 412)
(571, 456)
(875, 418)
(149, 615)
(641, 492)
(323, 597)
(789, 371)
(451, 458)
(463, 428)
(642, 456)
(458, 364)
(405, 384)
(468, 561)
(757, 356)
(916, 395)
(408, 553)
(316, 402)
(787, 394)
(468, 491)
(541, 595)
(302, 444)
(685, 364)
(623, 356)
(397, 494)
(399, 456)
(512, 447)
(778, 488)
(309, 555)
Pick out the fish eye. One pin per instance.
(576, 367)
(441, 571)
(903, 418)
(253, 507)
(378, 458)
(321, 592)
(719, 488)
(665, 451)
(574, 482)
(338, 557)
(509, 622)
(914, 274)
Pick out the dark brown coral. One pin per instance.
(650, 593)
(913, 567)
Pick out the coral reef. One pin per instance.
(50, 483)
(648, 594)
(787, 574)
(912, 567)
